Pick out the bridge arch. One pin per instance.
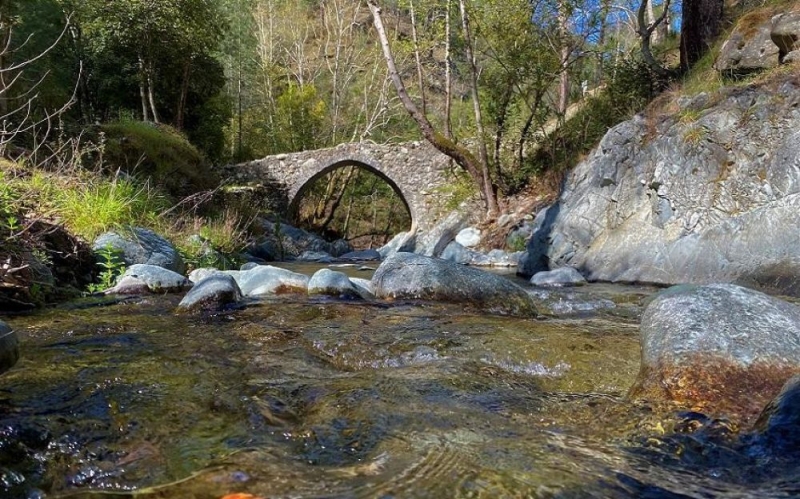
(300, 189)
(414, 170)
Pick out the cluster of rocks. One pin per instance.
(760, 41)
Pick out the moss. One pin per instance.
(157, 152)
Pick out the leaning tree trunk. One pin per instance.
(446, 146)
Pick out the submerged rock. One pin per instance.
(412, 276)
(332, 283)
(212, 293)
(9, 347)
(141, 246)
(149, 278)
(561, 277)
(720, 347)
(367, 254)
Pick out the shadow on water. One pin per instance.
(302, 398)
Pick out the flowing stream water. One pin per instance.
(298, 397)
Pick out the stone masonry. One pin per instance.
(415, 170)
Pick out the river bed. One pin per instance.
(309, 398)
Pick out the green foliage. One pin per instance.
(460, 189)
(99, 204)
(299, 117)
(112, 267)
(157, 152)
(9, 221)
(516, 243)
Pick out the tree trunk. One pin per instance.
(645, 35)
(151, 95)
(181, 112)
(651, 20)
(143, 90)
(446, 146)
(476, 106)
(563, 77)
(700, 25)
(448, 77)
(418, 59)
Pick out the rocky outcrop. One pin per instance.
(719, 348)
(714, 198)
(141, 246)
(9, 347)
(409, 276)
(268, 280)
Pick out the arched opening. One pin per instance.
(353, 201)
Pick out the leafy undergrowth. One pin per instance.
(78, 199)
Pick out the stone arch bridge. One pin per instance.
(415, 170)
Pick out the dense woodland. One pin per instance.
(510, 89)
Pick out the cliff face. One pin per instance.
(710, 193)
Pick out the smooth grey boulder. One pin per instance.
(719, 347)
(340, 247)
(198, 275)
(365, 255)
(141, 246)
(332, 283)
(714, 199)
(141, 278)
(9, 347)
(785, 33)
(269, 280)
(403, 242)
(469, 237)
(561, 277)
(747, 50)
(215, 292)
(409, 276)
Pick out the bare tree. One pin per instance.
(462, 156)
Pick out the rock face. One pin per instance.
(719, 347)
(9, 347)
(332, 283)
(212, 293)
(671, 201)
(141, 246)
(416, 277)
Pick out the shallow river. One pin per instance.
(315, 398)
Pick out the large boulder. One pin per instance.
(402, 242)
(140, 246)
(268, 280)
(149, 278)
(719, 348)
(409, 276)
(332, 283)
(215, 292)
(9, 347)
(669, 200)
(469, 237)
(748, 49)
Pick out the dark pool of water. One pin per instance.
(300, 398)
